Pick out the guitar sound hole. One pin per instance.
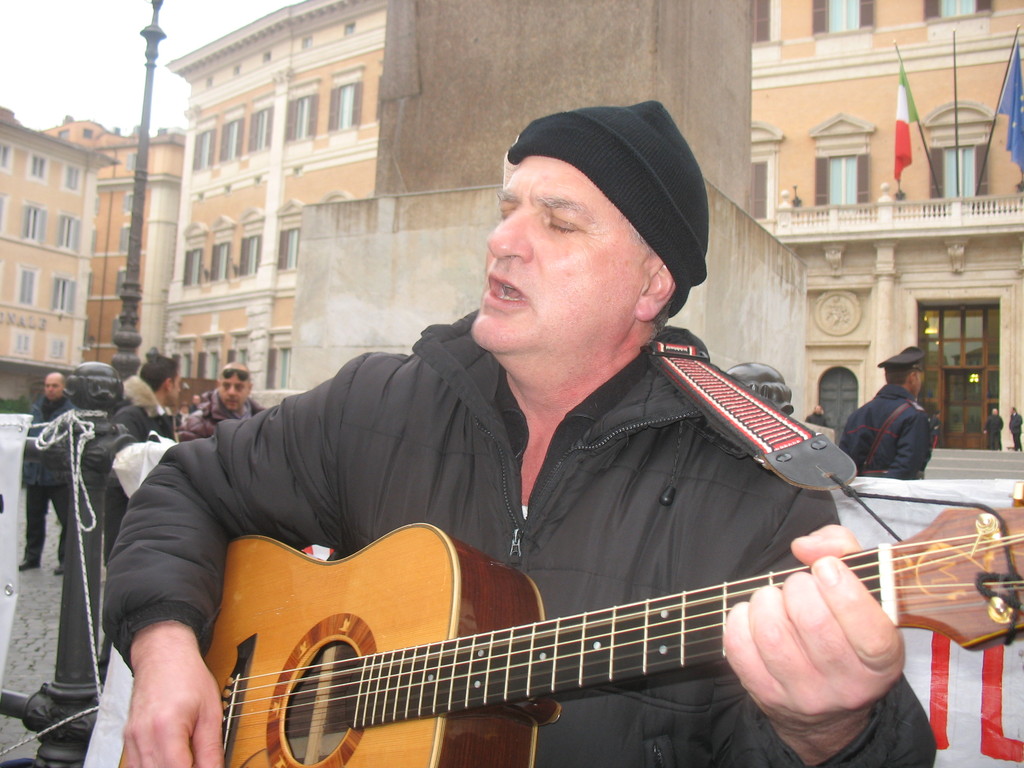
(320, 707)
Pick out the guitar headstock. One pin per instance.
(961, 576)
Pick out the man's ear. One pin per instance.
(657, 291)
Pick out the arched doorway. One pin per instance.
(837, 393)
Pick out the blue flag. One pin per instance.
(1012, 104)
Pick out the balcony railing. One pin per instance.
(1004, 211)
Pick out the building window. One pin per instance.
(58, 349)
(842, 15)
(5, 157)
(266, 57)
(87, 133)
(72, 177)
(193, 267)
(33, 222)
(221, 261)
(345, 103)
(129, 201)
(249, 259)
(23, 343)
(279, 362)
(945, 8)
(350, 28)
(122, 239)
(3, 210)
(761, 20)
(27, 287)
(259, 130)
(960, 179)
(288, 250)
(231, 141)
(841, 180)
(307, 42)
(37, 168)
(186, 365)
(68, 232)
(63, 295)
(212, 361)
(131, 161)
(203, 157)
(301, 118)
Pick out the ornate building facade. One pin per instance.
(282, 114)
(935, 259)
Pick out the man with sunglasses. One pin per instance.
(890, 435)
(230, 400)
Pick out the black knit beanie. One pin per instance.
(639, 160)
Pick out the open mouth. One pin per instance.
(507, 293)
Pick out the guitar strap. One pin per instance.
(788, 448)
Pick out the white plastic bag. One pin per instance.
(134, 461)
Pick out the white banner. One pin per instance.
(975, 699)
(13, 431)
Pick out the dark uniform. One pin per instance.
(890, 436)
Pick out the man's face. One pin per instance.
(53, 386)
(233, 390)
(565, 271)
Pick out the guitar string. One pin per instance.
(388, 658)
(549, 641)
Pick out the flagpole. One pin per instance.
(995, 115)
(956, 119)
(920, 130)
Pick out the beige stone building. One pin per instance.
(282, 114)
(112, 221)
(48, 193)
(936, 260)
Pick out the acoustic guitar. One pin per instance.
(421, 652)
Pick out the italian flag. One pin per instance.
(906, 113)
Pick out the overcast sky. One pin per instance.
(86, 58)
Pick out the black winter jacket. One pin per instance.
(395, 439)
(903, 449)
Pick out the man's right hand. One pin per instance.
(175, 715)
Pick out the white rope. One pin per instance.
(45, 731)
(77, 432)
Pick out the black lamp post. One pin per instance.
(127, 337)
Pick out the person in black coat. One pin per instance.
(1015, 425)
(993, 426)
(890, 435)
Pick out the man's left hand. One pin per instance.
(819, 652)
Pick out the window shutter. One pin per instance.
(357, 105)
(314, 101)
(271, 368)
(334, 115)
(821, 181)
(238, 137)
(759, 190)
(819, 17)
(931, 9)
(252, 131)
(289, 129)
(980, 177)
(201, 364)
(282, 250)
(867, 13)
(69, 299)
(938, 155)
(270, 125)
(863, 190)
(225, 141)
(982, 6)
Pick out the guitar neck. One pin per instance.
(535, 660)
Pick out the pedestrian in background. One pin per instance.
(1015, 424)
(935, 422)
(230, 400)
(817, 416)
(889, 436)
(41, 487)
(993, 426)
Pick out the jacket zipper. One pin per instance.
(515, 552)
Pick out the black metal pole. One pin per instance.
(127, 337)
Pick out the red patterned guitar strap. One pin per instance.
(786, 447)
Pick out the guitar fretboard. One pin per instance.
(524, 662)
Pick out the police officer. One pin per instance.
(890, 436)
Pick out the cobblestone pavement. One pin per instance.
(33, 651)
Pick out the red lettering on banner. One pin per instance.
(993, 742)
(938, 707)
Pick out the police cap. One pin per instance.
(908, 358)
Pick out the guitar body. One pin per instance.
(283, 612)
